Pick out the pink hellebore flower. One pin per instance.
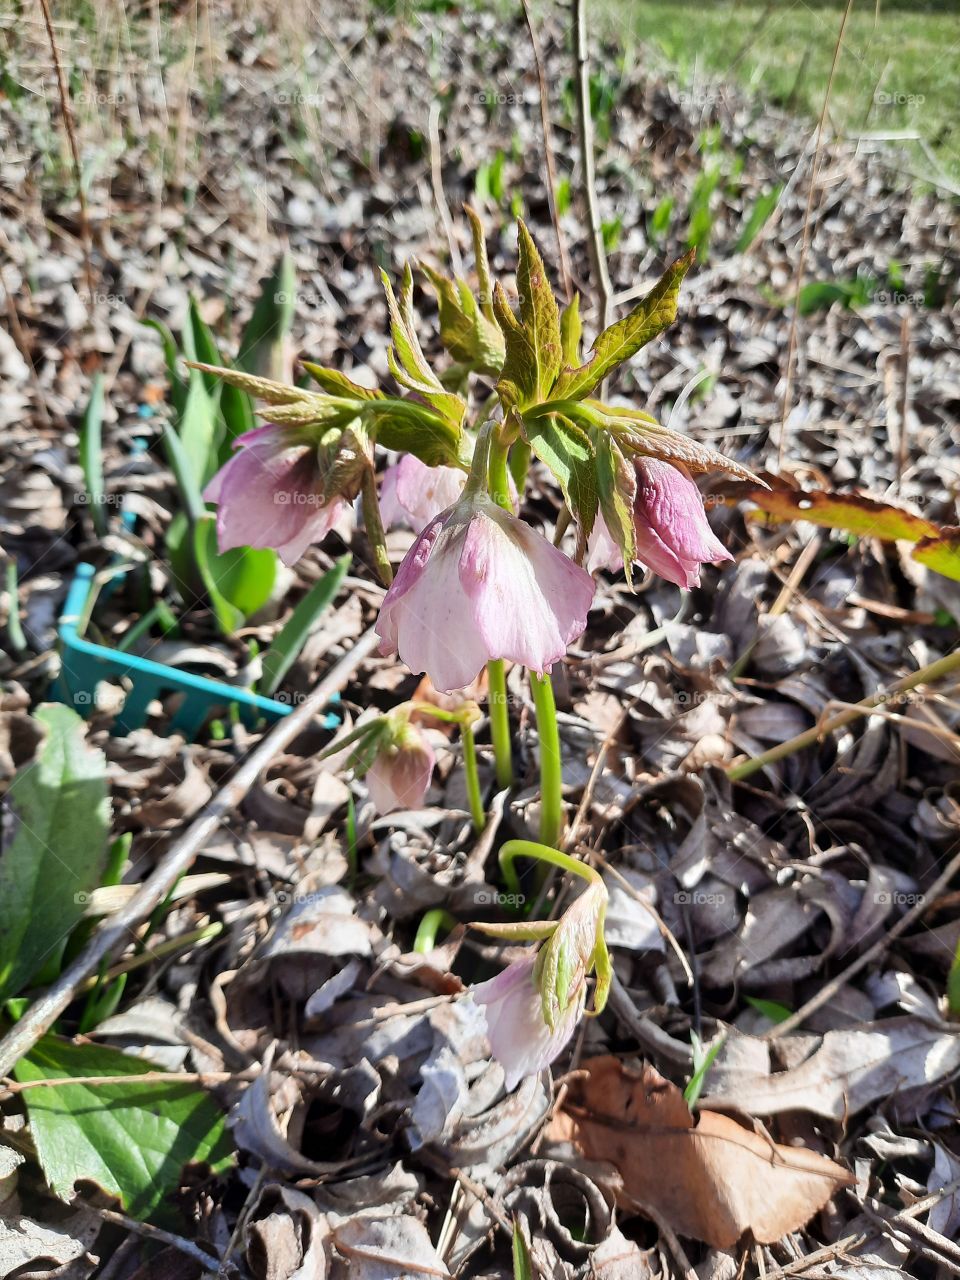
(673, 536)
(268, 495)
(413, 493)
(519, 1037)
(399, 777)
(480, 584)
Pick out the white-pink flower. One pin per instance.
(412, 493)
(520, 1039)
(399, 777)
(268, 495)
(479, 584)
(673, 535)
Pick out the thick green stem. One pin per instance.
(472, 777)
(430, 926)
(551, 775)
(374, 526)
(926, 675)
(500, 722)
(514, 849)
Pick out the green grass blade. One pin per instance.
(280, 656)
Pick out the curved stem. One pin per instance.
(514, 849)
(520, 464)
(500, 722)
(430, 926)
(370, 503)
(551, 775)
(472, 778)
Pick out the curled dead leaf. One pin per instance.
(709, 1177)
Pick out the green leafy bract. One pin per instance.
(652, 314)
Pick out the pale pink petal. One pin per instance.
(673, 534)
(520, 1039)
(391, 512)
(425, 616)
(529, 599)
(424, 492)
(602, 551)
(266, 496)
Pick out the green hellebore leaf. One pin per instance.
(267, 389)
(237, 582)
(133, 1140)
(617, 491)
(524, 931)
(637, 433)
(410, 427)
(941, 553)
(566, 449)
(336, 383)
(652, 314)
(482, 262)
(55, 848)
(571, 331)
(539, 312)
(464, 329)
(518, 385)
(407, 362)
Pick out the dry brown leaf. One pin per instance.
(709, 1178)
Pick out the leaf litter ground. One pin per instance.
(373, 1135)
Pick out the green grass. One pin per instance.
(899, 68)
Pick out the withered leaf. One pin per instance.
(709, 1177)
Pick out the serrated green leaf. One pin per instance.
(571, 331)
(652, 314)
(566, 449)
(133, 1140)
(481, 261)
(296, 630)
(466, 333)
(539, 312)
(518, 383)
(407, 362)
(57, 815)
(617, 491)
(336, 383)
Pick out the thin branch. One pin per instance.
(598, 257)
(805, 245)
(43, 1012)
(548, 154)
(436, 174)
(67, 113)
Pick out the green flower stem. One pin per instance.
(514, 849)
(551, 775)
(500, 722)
(520, 464)
(473, 778)
(374, 526)
(430, 926)
(498, 474)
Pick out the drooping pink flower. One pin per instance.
(480, 584)
(413, 493)
(268, 495)
(399, 777)
(670, 523)
(520, 1039)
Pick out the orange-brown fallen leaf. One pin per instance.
(708, 1177)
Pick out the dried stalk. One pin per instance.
(598, 257)
(42, 1013)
